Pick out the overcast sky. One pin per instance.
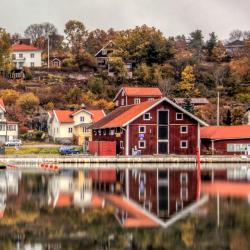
(172, 17)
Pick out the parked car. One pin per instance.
(67, 150)
(14, 142)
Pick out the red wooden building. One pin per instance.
(226, 140)
(153, 127)
(135, 95)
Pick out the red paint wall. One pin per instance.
(102, 148)
(220, 147)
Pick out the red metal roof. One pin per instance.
(64, 116)
(225, 132)
(97, 114)
(23, 47)
(138, 91)
(2, 104)
(122, 115)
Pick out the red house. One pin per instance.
(153, 127)
(135, 95)
(226, 140)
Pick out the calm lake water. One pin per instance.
(115, 208)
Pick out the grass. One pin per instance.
(33, 150)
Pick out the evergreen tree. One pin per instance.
(188, 105)
(211, 43)
(228, 119)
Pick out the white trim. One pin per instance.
(183, 126)
(184, 198)
(139, 129)
(127, 140)
(118, 93)
(171, 103)
(177, 118)
(186, 141)
(105, 46)
(144, 144)
(186, 177)
(145, 118)
(137, 100)
(81, 110)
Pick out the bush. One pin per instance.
(33, 136)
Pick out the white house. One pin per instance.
(24, 55)
(8, 129)
(67, 124)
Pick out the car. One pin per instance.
(13, 142)
(68, 150)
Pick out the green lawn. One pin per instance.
(31, 150)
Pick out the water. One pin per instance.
(116, 208)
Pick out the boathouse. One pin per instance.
(226, 140)
(153, 127)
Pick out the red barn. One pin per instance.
(226, 140)
(135, 95)
(153, 127)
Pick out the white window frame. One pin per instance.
(81, 118)
(32, 64)
(137, 100)
(177, 119)
(104, 132)
(139, 146)
(32, 55)
(184, 132)
(181, 146)
(122, 102)
(144, 129)
(142, 176)
(121, 144)
(99, 132)
(111, 132)
(182, 196)
(184, 179)
(151, 99)
(149, 118)
(70, 130)
(117, 103)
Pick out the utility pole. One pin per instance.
(48, 51)
(218, 108)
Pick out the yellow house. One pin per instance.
(72, 125)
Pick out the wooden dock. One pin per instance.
(142, 161)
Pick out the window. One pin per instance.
(111, 131)
(85, 130)
(184, 144)
(236, 147)
(142, 185)
(142, 129)
(146, 117)
(184, 129)
(151, 99)
(99, 132)
(122, 102)
(137, 100)
(70, 130)
(2, 127)
(20, 55)
(117, 103)
(13, 56)
(121, 144)
(104, 52)
(184, 178)
(32, 55)
(179, 116)
(82, 119)
(142, 144)
(104, 132)
(184, 193)
(11, 127)
(163, 117)
(122, 93)
(32, 64)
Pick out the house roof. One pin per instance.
(2, 104)
(235, 43)
(64, 116)
(97, 114)
(23, 47)
(104, 47)
(124, 115)
(140, 92)
(193, 100)
(225, 132)
(64, 200)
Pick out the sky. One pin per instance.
(172, 17)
